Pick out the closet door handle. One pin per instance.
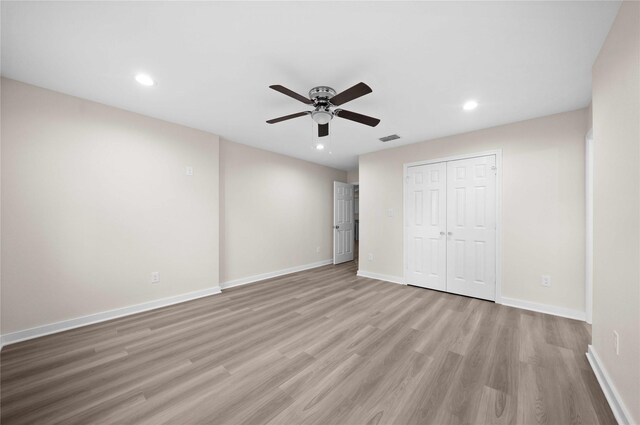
(441, 233)
(450, 233)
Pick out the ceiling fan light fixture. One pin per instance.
(321, 117)
(323, 99)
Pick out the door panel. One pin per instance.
(471, 232)
(426, 223)
(343, 225)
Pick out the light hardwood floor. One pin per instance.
(316, 347)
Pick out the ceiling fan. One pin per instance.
(323, 98)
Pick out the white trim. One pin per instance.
(455, 158)
(498, 155)
(620, 411)
(77, 322)
(386, 278)
(543, 308)
(588, 284)
(269, 275)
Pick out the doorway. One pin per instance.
(451, 238)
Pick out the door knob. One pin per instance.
(441, 233)
(336, 227)
(449, 233)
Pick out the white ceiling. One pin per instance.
(214, 61)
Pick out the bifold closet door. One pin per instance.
(471, 227)
(426, 205)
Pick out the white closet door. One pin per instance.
(471, 227)
(426, 226)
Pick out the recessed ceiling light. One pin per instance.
(145, 80)
(470, 105)
(320, 146)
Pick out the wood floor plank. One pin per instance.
(497, 407)
(321, 346)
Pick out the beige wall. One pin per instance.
(93, 200)
(542, 212)
(616, 129)
(275, 211)
(352, 176)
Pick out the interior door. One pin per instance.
(343, 234)
(426, 246)
(471, 227)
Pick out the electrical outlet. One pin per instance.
(155, 277)
(390, 212)
(616, 342)
(189, 171)
(370, 257)
(546, 280)
(318, 249)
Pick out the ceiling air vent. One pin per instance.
(389, 138)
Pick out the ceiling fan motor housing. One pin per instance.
(321, 94)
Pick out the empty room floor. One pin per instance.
(316, 347)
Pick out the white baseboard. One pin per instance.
(77, 322)
(511, 302)
(269, 275)
(377, 276)
(543, 308)
(620, 411)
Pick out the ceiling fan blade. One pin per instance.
(354, 116)
(287, 117)
(291, 93)
(323, 130)
(348, 95)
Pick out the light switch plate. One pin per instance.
(546, 280)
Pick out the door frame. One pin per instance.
(405, 175)
(588, 284)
